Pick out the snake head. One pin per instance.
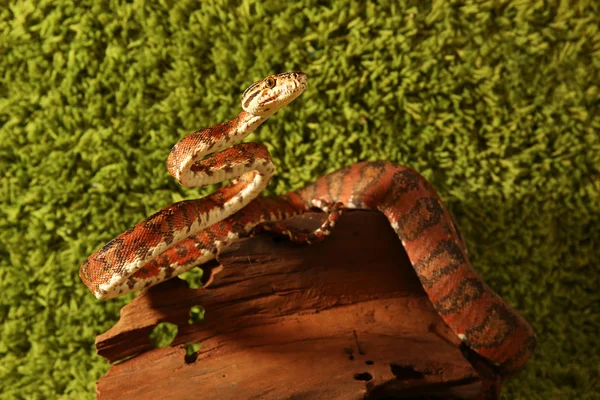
(265, 97)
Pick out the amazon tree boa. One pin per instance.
(189, 233)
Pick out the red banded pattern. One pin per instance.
(189, 233)
(435, 247)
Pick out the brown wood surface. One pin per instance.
(345, 318)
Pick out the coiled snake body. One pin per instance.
(189, 233)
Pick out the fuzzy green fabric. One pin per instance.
(496, 102)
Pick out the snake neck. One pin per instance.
(219, 137)
(244, 124)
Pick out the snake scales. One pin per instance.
(189, 233)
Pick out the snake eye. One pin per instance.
(270, 82)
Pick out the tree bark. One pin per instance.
(345, 318)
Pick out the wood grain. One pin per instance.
(345, 318)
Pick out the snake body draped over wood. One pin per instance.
(189, 233)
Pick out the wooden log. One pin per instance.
(345, 318)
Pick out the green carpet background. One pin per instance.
(496, 102)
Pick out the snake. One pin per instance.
(190, 232)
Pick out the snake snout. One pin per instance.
(299, 76)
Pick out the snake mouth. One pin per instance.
(291, 94)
